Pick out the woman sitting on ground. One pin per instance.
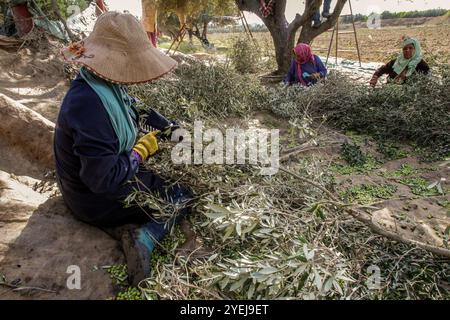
(306, 69)
(408, 63)
(98, 153)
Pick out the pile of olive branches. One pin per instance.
(276, 237)
(417, 113)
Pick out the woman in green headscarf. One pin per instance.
(409, 62)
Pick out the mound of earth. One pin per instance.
(39, 238)
(34, 76)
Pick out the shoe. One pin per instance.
(137, 257)
(326, 15)
(316, 24)
(138, 246)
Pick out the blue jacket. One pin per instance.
(308, 67)
(89, 169)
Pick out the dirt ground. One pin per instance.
(34, 78)
(421, 217)
(39, 239)
(376, 45)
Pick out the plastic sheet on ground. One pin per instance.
(352, 68)
(83, 22)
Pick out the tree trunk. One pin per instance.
(283, 49)
(308, 33)
(205, 30)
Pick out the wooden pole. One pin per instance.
(176, 38)
(337, 40)
(181, 40)
(356, 36)
(331, 44)
(247, 28)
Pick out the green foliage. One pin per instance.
(414, 14)
(130, 294)
(275, 237)
(421, 187)
(244, 56)
(417, 112)
(353, 154)
(202, 91)
(400, 15)
(198, 10)
(118, 274)
(366, 194)
(406, 170)
(391, 151)
(46, 6)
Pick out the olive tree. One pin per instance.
(284, 33)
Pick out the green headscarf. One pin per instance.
(117, 103)
(401, 63)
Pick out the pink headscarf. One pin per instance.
(303, 54)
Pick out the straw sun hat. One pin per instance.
(118, 50)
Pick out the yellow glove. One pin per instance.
(147, 146)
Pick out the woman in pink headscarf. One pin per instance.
(306, 69)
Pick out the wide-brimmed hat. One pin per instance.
(118, 50)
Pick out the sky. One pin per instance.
(296, 6)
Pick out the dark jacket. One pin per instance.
(309, 67)
(422, 67)
(89, 169)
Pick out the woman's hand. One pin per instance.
(315, 76)
(374, 81)
(147, 146)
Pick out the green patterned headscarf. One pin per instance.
(401, 63)
(117, 103)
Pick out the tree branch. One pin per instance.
(366, 219)
(331, 21)
(248, 5)
(311, 8)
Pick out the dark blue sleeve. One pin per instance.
(290, 77)
(103, 170)
(321, 67)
